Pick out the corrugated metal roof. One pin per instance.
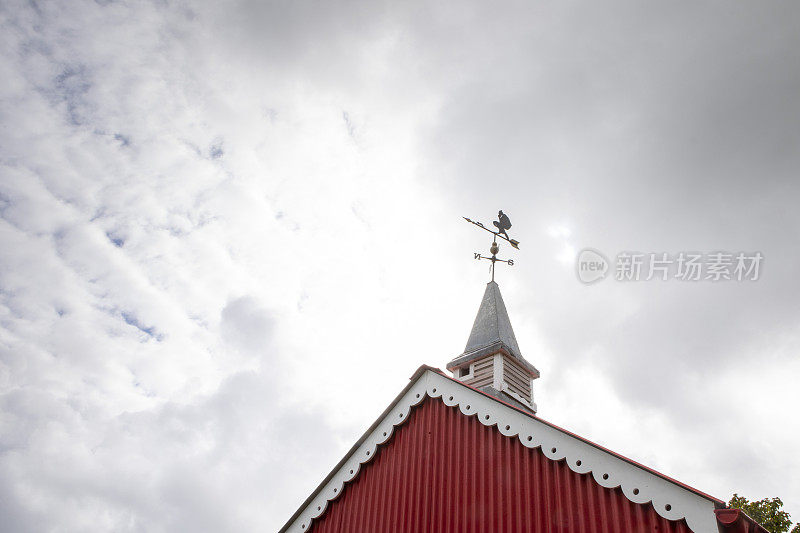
(444, 472)
(430, 382)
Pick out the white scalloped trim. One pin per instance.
(638, 485)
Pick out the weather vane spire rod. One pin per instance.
(503, 224)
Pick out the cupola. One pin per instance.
(492, 361)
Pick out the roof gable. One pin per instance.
(638, 484)
(444, 471)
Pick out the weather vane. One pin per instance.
(503, 224)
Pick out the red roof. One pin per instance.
(447, 457)
(447, 472)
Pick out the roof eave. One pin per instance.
(738, 520)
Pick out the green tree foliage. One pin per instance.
(767, 512)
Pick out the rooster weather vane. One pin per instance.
(503, 224)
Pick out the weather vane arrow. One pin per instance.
(503, 224)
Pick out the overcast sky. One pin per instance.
(231, 231)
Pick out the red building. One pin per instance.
(468, 454)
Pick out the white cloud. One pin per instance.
(230, 232)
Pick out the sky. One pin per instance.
(231, 231)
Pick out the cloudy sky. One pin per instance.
(231, 231)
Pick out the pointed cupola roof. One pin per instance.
(492, 332)
(492, 324)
